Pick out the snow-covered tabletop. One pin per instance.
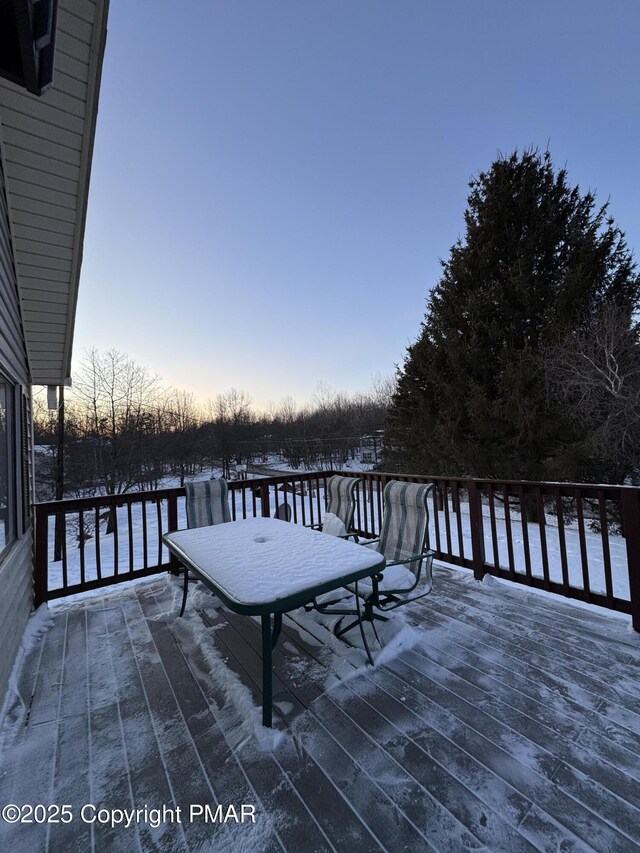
(257, 562)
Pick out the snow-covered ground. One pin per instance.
(147, 515)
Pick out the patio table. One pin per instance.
(265, 567)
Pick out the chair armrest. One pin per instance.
(369, 542)
(353, 536)
(413, 559)
(318, 526)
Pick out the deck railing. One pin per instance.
(565, 538)
(109, 539)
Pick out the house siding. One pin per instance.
(47, 151)
(16, 565)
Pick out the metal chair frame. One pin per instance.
(336, 502)
(386, 599)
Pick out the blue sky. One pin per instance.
(274, 181)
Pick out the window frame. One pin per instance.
(19, 443)
(11, 523)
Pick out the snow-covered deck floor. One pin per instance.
(515, 725)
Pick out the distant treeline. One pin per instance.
(122, 430)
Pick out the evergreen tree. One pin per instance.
(537, 259)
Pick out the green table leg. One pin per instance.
(267, 675)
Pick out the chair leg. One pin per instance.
(373, 625)
(361, 624)
(184, 590)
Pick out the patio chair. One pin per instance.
(207, 503)
(341, 504)
(404, 542)
(283, 512)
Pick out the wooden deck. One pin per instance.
(514, 725)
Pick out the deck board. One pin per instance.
(513, 725)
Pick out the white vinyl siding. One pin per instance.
(16, 546)
(47, 144)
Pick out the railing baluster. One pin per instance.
(295, 500)
(63, 542)
(456, 498)
(507, 524)
(98, 555)
(447, 520)
(436, 515)
(303, 510)
(477, 528)
(310, 502)
(542, 528)
(264, 498)
(631, 525)
(130, 536)
(145, 547)
(494, 530)
(562, 543)
(524, 523)
(81, 545)
(159, 516)
(357, 515)
(372, 515)
(114, 510)
(172, 524)
(378, 482)
(321, 508)
(606, 554)
(41, 562)
(584, 560)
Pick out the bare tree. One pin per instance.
(287, 410)
(117, 401)
(233, 419)
(181, 424)
(382, 390)
(595, 375)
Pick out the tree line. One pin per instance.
(120, 429)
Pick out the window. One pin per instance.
(26, 450)
(7, 482)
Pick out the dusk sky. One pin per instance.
(274, 181)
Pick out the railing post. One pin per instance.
(477, 530)
(172, 521)
(631, 521)
(264, 498)
(41, 557)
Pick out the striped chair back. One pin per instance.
(341, 492)
(405, 522)
(207, 503)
